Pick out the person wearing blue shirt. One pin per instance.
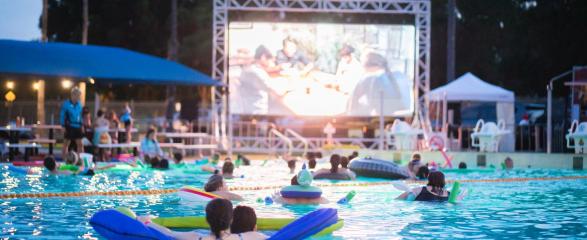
(126, 118)
(70, 118)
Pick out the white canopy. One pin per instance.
(470, 88)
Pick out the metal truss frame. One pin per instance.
(420, 9)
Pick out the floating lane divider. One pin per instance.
(257, 188)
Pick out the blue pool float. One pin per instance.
(376, 168)
(297, 191)
(308, 225)
(115, 225)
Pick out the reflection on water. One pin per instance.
(530, 210)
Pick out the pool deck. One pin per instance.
(480, 159)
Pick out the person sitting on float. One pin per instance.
(301, 191)
(216, 185)
(219, 215)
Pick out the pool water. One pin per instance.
(509, 210)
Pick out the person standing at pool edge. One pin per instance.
(70, 118)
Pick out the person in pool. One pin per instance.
(344, 168)
(414, 164)
(217, 185)
(151, 151)
(212, 166)
(54, 168)
(423, 173)
(244, 221)
(433, 192)
(228, 170)
(334, 162)
(311, 160)
(219, 215)
(304, 178)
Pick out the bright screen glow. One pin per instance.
(321, 69)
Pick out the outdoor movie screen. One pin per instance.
(321, 69)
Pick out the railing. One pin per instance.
(301, 140)
(282, 142)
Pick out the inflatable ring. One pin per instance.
(297, 191)
(192, 194)
(376, 168)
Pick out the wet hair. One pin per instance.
(462, 165)
(219, 215)
(49, 163)
(509, 163)
(294, 180)
(245, 160)
(177, 157)
(344, 162)
(423, 172)
(214, 183)
(312, 163)
(262, 51)
(353, 155)
(416, 156)
(291, 164)
(215, 157)
(164, 164)
(244, 220)
(334, 162)
(228, 167)
(436, 181)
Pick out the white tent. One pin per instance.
(470, 88)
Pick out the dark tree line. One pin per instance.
(517, 44)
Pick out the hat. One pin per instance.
(305, 177)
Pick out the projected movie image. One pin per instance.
(317, 69)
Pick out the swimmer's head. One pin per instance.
(416, 156)
(423, 172)
(436, 181)
(50, 163)
(462, 165)
(215, 183)
(228, 168)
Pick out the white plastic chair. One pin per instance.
(487, 135)
(578, 134)
(404, 136)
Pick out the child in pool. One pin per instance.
(304, 178)
(228, 170)
(433, 192)
(217, 185)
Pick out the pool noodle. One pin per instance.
(454, 192)
(347, 198)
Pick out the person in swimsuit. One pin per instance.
(244, 221)
(217, 185)
(219, 215)
(433, 192)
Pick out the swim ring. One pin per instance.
(304, 189)
(192, 194)
(376, 168)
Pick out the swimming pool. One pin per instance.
(525, 209)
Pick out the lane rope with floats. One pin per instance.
(258, 188)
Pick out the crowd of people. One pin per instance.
(81, 131)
